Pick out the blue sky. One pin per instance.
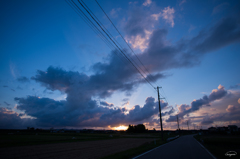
(56, 72)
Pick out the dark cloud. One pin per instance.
(197, 104)
(235, 86)
(11, 120)
(138, 21)
(104, 103)
(172, 110)
(126, 103)
(23, 79)
(232, 108)
(79, 109)
(125, 100)
(5, 86)
(49, 112)
(206, 121)
(161, 55)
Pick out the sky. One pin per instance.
(57, 72)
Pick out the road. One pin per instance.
(185, 147)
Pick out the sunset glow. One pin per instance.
(120, 128)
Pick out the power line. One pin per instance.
(125, 40)
(92, 25)
(114, 43)
(113, 36)
(165, 96)
(104, 38)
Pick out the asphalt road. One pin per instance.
(185, 147)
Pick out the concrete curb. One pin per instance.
(152, 149)
(206, 149)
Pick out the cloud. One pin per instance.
(162, 55)
(223, 33)
(139, 42)
(235, 86)
(104, 103)
(147, 3)
(5, 86)
(114, 12)
(12, 120)
(167, 14)
(206, 121)
(138, 21)
(184, 109)
(231, 108)
(220, 8)
(23, 79)
(49, 112)
(171, 111)
(239, 100)
(182, 2)
(126, 103)
(79, 108)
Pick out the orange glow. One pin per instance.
(122, 127)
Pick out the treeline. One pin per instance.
(140, 128)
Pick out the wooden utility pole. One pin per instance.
(178, 123)
(160, 111)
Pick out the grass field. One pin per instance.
(218, 145)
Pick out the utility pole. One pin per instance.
(160, 111)
(178, 123)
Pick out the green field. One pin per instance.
(218, 145)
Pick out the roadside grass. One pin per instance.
(130, 153)
(219, 145)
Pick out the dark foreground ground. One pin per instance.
(85, 149)
(219, 145)
(112, 146)
(185, 147)
(31, 144)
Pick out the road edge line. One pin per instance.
(206, 149)
(152, 150)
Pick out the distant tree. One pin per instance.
(154, 129)
(140, 128)
(130, 128)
